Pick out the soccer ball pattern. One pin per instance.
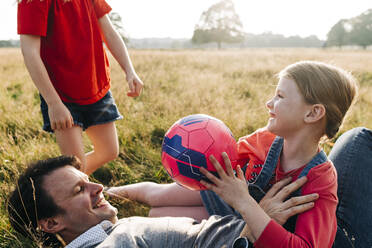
(188, 144)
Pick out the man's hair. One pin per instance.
(30, 202)
(321, 83)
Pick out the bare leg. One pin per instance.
(106, 146)
(103, 137)
(70, 143)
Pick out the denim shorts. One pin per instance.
(100, 112)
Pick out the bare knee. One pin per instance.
(112, 154)
(107, 154)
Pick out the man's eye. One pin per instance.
(80, 189)
(279, 95)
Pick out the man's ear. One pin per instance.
(51, 225)
(315, 113)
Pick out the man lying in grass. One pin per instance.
(55, 202)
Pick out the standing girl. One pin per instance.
(62, 44)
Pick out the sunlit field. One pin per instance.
(232, 85)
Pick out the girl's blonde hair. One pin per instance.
(325, 84)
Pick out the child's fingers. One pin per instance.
(240, 173)
(292, 187)
(131, 86)
(57, 125)
(300, 200)
(139, 86)
(217, 166)
(210, 176)
(53, 125)
(298, 209)
(68, 123)
(71, 122)
(209, 186)
(63, 125)
(278, 186)
(228, 167)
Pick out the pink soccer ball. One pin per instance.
(188, 144)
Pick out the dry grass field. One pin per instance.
(232, 85)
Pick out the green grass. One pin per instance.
(232, 85)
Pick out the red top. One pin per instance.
(71, 45)
(314, 228)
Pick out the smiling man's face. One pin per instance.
(82, 201)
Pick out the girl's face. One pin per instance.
(287, 109)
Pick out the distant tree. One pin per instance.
(9, 43)
(220, 23)
(116, 20)
(5, 43)
(361, 32)
(353, 31)
(337, 35)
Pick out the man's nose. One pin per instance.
(96, 188)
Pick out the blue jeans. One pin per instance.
(352, 157)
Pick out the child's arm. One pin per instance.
(118, 49)
(157, 195)
(59, 115)
(234, 191)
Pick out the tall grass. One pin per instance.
(232, 85)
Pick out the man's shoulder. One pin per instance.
(173, 232)
(151, 232)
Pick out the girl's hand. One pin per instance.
(135, 85)
(60, 117)
(233, 190)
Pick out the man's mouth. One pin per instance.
(100, 203)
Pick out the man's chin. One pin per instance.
(114, 219)
(112, 215)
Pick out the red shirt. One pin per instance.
(71, 45)
(314, 228)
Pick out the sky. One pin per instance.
(177, 18)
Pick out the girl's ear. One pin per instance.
(51, 225)
(315, 113)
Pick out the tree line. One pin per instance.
(220, 24)
(356, 31)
